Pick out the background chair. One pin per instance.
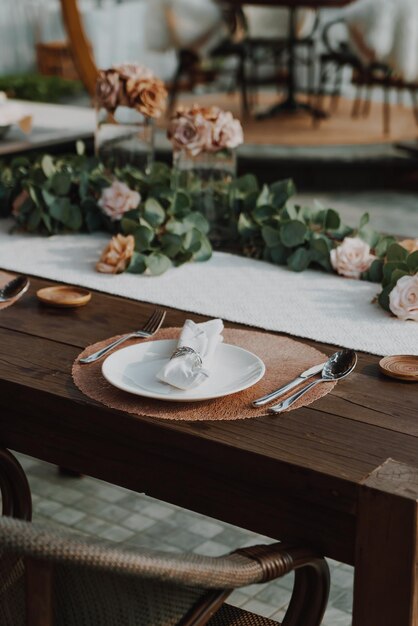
(66, 581)
(365, 77)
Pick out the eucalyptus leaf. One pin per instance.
(299, 260)
(365, 218)
(60, 183)
(157, 263)
(383, 297)
(278, 254)
(246, 226)
(293, 233)
(412, 261)
(263, 213)
(143, 238)
(383, 246)
(47, 165)
(281, 191)
(271, 236)
(205, 251)
(265, 197)
(395, 252)
(198, 221)
(192, 240)
(137, 264)
(171, 244)
(129, 226)
(154, 212)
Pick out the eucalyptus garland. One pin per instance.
(157, 225)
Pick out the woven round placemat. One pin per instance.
(284, 359)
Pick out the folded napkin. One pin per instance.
(190, 364)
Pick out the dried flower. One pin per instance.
(409, 244)
(190, 132)
(133, 70)
(133, 86)
(148, 95)
(118, 199)
(352, 257)
(116, 255)
(108, 88)
(403, 299)
(199, 129)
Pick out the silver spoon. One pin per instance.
(14, 288)
(338, 366)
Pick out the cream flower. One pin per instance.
(117, 254)
(227, 132)
(118, 199)
(352, 257)
(403, 299)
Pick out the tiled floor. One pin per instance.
(89, 506)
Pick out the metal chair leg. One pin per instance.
(386, 110)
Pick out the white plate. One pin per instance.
(134, 369)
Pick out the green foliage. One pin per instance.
(39, 88)
(61, 194)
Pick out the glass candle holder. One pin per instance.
(124, 137)
(207, 178)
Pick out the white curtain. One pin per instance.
(116, 32)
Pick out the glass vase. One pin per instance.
(124, 137)
(207, 178)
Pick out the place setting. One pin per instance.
(205, 371)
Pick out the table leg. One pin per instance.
(386, 567)
(291, 104)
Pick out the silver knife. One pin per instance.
(316, 369)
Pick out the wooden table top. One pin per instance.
(317, 455)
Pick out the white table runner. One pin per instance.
(312, 304)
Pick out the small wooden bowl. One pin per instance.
(402, 367)
(64, 296)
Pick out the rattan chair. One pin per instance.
(49, 578)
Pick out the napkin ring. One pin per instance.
(183, 350)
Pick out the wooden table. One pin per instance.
(53, 125)
(321, 475)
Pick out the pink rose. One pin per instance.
(352, 257)
(227, 132)
(191, 133)
(117, 200)
(403, 299)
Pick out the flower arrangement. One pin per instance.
(132, 86)
(198, 129)
(155, 227)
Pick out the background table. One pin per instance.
(290, 103)
(53, 125)
(321, 475)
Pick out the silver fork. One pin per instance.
(151, 327)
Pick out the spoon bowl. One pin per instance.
(14, 288)
(339, 365)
